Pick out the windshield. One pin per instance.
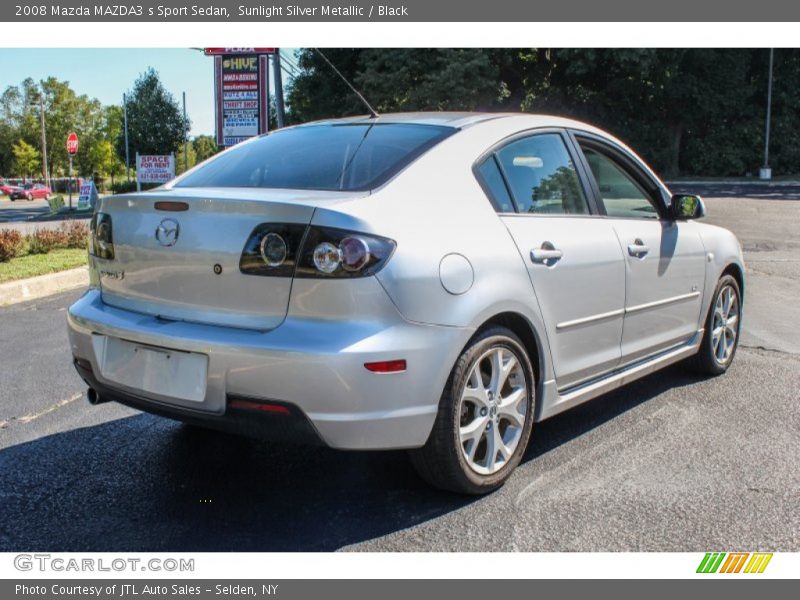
(349, 157)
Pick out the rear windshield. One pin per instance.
(320, 157)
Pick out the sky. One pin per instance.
(106, 73)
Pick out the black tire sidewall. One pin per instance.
(494, 338)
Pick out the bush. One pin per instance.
(56, 202)
(125, 187)
(42, 241)
(76, 233)
(11, 244)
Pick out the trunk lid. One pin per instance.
(178, 281)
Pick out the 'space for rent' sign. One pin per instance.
(151, 168)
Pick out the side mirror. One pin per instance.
(687, 206)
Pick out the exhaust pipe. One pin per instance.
(94, 398)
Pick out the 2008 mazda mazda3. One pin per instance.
(432, 281)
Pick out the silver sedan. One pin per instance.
(432, 281)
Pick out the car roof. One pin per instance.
(456, 120)
(461, 120)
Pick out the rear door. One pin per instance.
(573, 258)
(665, 259)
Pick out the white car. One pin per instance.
(431, 281)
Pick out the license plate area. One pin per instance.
(156, 371)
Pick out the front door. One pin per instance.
(664, 260)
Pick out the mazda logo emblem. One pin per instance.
(167, 232)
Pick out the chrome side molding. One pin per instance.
(617, 379)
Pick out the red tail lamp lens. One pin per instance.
(354, 253)
(260, 406)
(386, 366)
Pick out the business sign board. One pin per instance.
(242, 90)
(233, 51)
(152, 168)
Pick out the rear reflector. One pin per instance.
(171, 206)
(386, 366)
(261, 406)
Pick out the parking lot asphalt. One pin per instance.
(672, 462)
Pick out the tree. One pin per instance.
(317, 92)
(394, 79)
(191, 157)
(410, 79)
(204, 147)
(155, 121)
(27, 159)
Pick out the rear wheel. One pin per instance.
(485, 417)
(721, 337)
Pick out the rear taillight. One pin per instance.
(101, 238)
(285, 250)
(272, 250)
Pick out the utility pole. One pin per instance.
(44, 142)
(185, 138)
(280, 115)
(766, 171)
(125, 117)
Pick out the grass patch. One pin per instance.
(32, 265)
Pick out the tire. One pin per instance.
(443, 461)
(712, 358)
(30, 198)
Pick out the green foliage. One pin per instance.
(205, 146)
(697, 111)
(124, 186)
(26, 158)
(33, 265)
(155, 121)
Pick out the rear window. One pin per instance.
(347, 157)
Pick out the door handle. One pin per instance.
(547, 254)
(638, 249)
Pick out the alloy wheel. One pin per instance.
(725, 324)
(492, 410)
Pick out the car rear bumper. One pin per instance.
(314, 367)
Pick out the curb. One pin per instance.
(13, 292)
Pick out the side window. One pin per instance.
(621, 196)
(542, 177)
(493, 179)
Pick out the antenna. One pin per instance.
(374, 113)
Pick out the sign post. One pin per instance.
(242, 92)
(72, 150)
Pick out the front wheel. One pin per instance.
(721, 337)
(30, 197)
(485, 417)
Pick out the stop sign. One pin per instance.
(72, 143)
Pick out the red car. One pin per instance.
(7, 188)
(30, 191)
